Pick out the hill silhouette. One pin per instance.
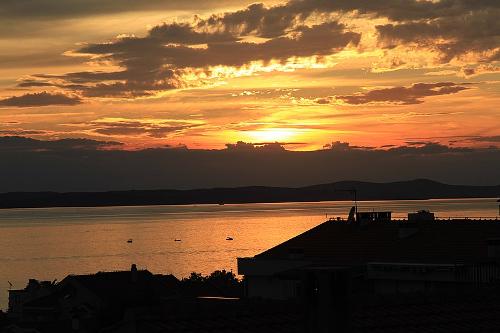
(404, 190)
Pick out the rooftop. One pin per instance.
(126, 284)
(439, 241)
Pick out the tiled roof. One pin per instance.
(440, 241)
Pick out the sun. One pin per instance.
(271, 135)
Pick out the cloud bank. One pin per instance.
(40, 99)
(413, 94)
(176, 55)
(86, 165)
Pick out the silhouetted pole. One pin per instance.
(355, 195)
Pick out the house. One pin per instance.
(33, 290)
(380, 256)
(84, 302)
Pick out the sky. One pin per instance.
(206, 75)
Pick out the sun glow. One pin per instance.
(272, 135)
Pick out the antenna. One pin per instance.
(355, 195)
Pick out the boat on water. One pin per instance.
(130, 240)
(177, 240)
(229, 238)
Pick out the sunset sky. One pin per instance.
(206, 73)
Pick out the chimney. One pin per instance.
(133, 272)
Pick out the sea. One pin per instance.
(50, 243)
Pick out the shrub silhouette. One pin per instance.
(218, 283)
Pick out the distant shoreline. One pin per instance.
(242, 203)
(421, 189)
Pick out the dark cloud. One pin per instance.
(463, 140)
(166, 56)
(258, 20)
(453, 27)
(413, 94)
(476, 31)
(26, 144)
(136, 128)
(158, 61)
(398, 10)
(144, 76)
(21, 132)
(33, 83)
(344, 146)
(184, 33)
(34, 165)
(245, 146)
(56, 9)
(426, 148)
(337, 145)
(484, 68)
(40, 99)
(493, 138)
(319, 39)
(276, 20)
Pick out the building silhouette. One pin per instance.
(367, 273)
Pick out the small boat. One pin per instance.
(229, 238)
(177, 240)
(130, 240)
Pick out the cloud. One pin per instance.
(26, 144)
(266, 146)
(168, 57)
(413, 94)
(155, 129)
(342, 146)
(163, 59)
(452, 27)
(320, 39)
(493, 138)
(55, 9)
(86, 165)
(21, 132)
(397, 10)
(479, 70)
(463, 140)
(275, 20)
(186, 54)
(33, 83)
(426, 148)
(184, 33)
(454, 37)
(40, 99)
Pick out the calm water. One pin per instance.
(51, 243)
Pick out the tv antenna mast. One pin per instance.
(354, 192)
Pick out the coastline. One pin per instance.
(340, 191)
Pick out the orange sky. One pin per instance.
(301, 72)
